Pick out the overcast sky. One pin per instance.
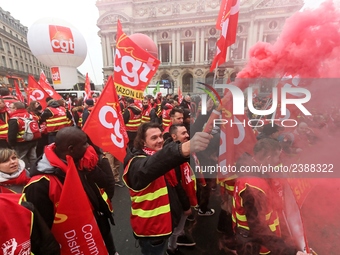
(82, 14)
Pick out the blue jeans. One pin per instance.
(153, 246)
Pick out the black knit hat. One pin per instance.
(89, 102)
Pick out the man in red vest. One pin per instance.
(56, 117)
(48, 176)
(187, 179)
(26, 150)
(175, 117)
(150, 190)
(146, 111)
(132, 119)
(256, 203)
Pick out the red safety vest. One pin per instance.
(166, 118)
(238, 213)
(134, 121)
(150, 208)
(146, 115)
(18, 115)
(16, 226)
(4, 127)
(58, 120)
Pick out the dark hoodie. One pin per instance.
(38, 192)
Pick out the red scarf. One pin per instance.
(22, 179)
(88, 161)
(169, 176)
(53, 158)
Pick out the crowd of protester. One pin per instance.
(166, 144)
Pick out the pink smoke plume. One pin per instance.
(308, 46)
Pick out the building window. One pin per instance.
(7, 47)
(187, 83)
(11, 63)
(1, 45)
(4, 63)
(187, 51)
(165, 53)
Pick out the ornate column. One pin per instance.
(109, 51)
(197, 51)
(193, 52)
(201, 50)
(174, 48)
(178, 48)
(206, 50)
(261, 30)
(182, 54)
(104, 53)
(160, 52)
(244, 48)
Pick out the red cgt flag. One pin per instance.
(18, 92)
(106, 119)
(88, 91)
(227, 22)
(236, 139)
(47, 87)
(71, 226)
(180, 95)
(134, 66)
(35, 92)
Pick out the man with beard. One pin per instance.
(185, 104)
(146, 111)
(132, 120)
(176, 117)
(186, 177)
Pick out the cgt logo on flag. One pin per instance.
(61, 39)
(55, 75)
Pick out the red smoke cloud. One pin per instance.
(309, 46)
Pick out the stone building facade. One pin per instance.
(16, 59)
(185, 34)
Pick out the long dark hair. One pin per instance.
(140, 137)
